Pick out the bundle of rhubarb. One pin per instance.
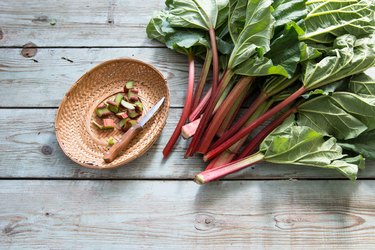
(298, 65)
(123, 109)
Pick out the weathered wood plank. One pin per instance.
(28, 149)
(51, 75)
(25, 82)
(82, 23)
(170, 215)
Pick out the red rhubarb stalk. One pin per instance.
(242, 85)
(186, 110)
(216, 173)
(198, 111)
(250, 128)
(230, 154)
(228, 120)
(208, 113)
(239, 124)
(254, 143)
(190, 128)
(215, 60)
(202, 79)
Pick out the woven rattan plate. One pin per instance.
(85, 144)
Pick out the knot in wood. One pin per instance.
(29, 50)
(47, 150)
(204, 222)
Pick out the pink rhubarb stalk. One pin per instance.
(198, 111)
(231, 153)
(242, 85)
(187, 107)
(219, 172)
(208, 113)
(202, 79)
(250, 128)
(228, 120)
(241, 122)
(255, 142)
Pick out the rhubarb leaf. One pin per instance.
(362, 84)
(159, 27)
(187, 41)
(286, 11)
(325, 115)
(196, 14)
(254, 39)
(285, 49)
(301, 145)
(328, 19)
(363, 144)
(349, 56)
(237, 18)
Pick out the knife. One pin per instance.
(116, 149)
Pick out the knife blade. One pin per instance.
(116, 149)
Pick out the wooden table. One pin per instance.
(47, 201)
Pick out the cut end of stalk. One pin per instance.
(165, 154)
(199, 179)
(205, 158)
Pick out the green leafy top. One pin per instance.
(328, 19)
(348, 56)
(301, 145)
(256, 34)
(180, 40)
(159, 27)
(196, 14)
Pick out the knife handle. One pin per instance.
(116, 149)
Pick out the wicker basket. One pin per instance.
(80, 140)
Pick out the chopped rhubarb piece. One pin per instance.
(128, 85)
(122, 115)
(123, 122)
(133, 114)
(108, 123)
(127, 105)
(138, 106)
(129, 123)
(132, 97)
(111, 141)
(134, 90)
(112, 106)
(97, 125)
(119, 97)
(101, 106)
(103, 112)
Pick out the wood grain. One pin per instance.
(42, 81)
(28, 149)
(71, 23)
(181, 214)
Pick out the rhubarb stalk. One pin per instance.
(186, 110)
(250, 128)
(217, 173)
(202, 79)
(232, 114)
(215, 59)
(229, 154)
(208, 113)
(242, 85)
(238, 125)
(188, 130)
(254, 143)
(198, 111)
